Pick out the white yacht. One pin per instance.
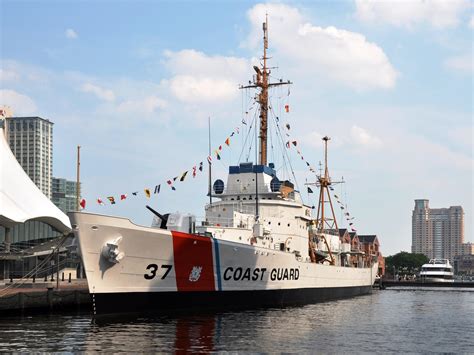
(437, 270)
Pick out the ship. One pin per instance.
(259, 245)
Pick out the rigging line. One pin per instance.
(246, 135)
(246, 138)
(250, 145)
(44, 262)
(271, 139)
(286, 153)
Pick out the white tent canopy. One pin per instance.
(20, 199)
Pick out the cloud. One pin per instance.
(191, 89)
(71, 34)
(147, 105)
(19, 103)
(471, 22)
(339, 55)
(198, 77)
(438, 13)
(462, 63)
(8, 75)
(363, 138)
(101, 93)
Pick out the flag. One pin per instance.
(336, 196)
(342, 207)
(287, 108)
(157, 189)
(307, 163)
(147, 193)
(354, 230)
(183, 176)
(227, 141)
(294, 143)
(123, 197)
(309, 190)
(243, 121)
(232, 134)
(331, 188)
(288, 144)
(347, 213)
(217, 155)
(200, 164)
(194, 171)
(209, 160)
(100, 202)
(237, 130)
(83, 203)
(220, 147)
(171, 184)
(135, 193)
(288, 126)
(111, 199)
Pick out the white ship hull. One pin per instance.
(162, 270)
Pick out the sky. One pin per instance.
(134, 82)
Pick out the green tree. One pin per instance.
(405, 262)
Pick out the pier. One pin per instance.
(44, 297)
(418, 283)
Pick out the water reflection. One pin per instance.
(392, 321)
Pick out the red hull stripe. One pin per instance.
(193, 262)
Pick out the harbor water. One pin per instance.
(393, 320)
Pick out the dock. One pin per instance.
(419, 283)
(44, 297)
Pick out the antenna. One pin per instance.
(78, 183)
(209, 161)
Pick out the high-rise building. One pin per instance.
(467, 249)
(437, 232)
(64, 194)
(31, 141)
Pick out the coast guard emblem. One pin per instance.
(195, 273)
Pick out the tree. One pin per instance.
(405, 262)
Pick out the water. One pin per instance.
(392, 320)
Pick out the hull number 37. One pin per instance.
(153, 268)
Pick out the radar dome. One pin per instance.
(218, 186)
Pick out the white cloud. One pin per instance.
(199, 77)
(191, 89)
(362, 137)
(462, 63)
(19, 103)
(8, 75)
(438, 13)
(70, 33)
(101, 93)
(147, 105)
(471, 22)
(342, 56)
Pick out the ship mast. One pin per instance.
(325, 223)
(261, 80)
